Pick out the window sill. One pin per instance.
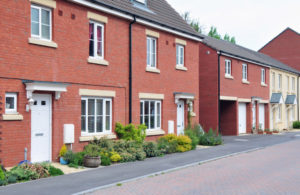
(154, 70)
(12, 117)
(155, 132)
(264, 85)
(179, 67)
(97, 61)
(42, 42)
(228, 76)
(92, 137)
(245, 82)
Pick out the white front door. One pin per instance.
(180, 117)
(242, 118)
(254, 115)
(262, 116)
(41, 128)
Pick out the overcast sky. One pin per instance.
(252, 22)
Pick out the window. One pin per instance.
(293, 83)
(279, 113)
(180, 55)
(41, 23)
(263, 76)
(293, 113)
(10, 103)
(288, 83)
(227, 67)
(96, 40)
(141, 1)
(245, 73)
(96, 117)
(279, 81)
(273, 80)
(151, 52)
(150, 114)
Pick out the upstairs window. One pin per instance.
(10, 103)
(179, 55)
(273, 80)
(279, 81)
(41, 26)
(96, 40)
(263, 76)
(293, 83)
(151, 52)
(288, 83)
(228, 67)
(245, 72)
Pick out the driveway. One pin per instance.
(93, 179)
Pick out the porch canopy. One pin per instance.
(182, 95)
(56, 87)
(291, 100)
(276, 98)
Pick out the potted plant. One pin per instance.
(260, 131)
(269, 132)
(275, 131)
(62, 152)
(92, 156)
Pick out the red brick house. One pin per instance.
(71, 69)
(285, 47)
(236, 94)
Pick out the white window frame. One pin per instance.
(142, 115)
(178, 55)
(263, 76)
(293, 113)
(279, 81)
(13, 110)
(105, 131)
(245, 72)
(227, 67)
(273, 80)
(40, 8)
(96, 24)
(151, 64)
(287, 83)
(279, 111)
(293, 83)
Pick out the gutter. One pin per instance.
(130, 68)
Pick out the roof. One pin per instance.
(291, 99)
(276, 98)
(158, 11)
(245, 53)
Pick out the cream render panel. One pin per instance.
(47, 3)
(151, 96)
(97, 17)
(97, 93)
(152, 33)
(180, 42)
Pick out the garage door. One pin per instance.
(262, 116)
(242, 118)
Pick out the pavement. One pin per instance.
(273, 170)
(91, 180)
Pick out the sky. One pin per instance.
(253, 23)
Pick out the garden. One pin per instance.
(130, 146)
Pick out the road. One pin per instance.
(91, 180)
(273, 170)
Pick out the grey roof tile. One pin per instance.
(276, 98)
(290, 99)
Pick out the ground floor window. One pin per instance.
(96, 117)
(150, 114)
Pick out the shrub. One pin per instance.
(192, 135)
(53, 171)
(2, 175)
(127, 157)
(151, 149)
(115, 157)
(27, 172)
(130, 132)
(296, 124)
(184, 143)
(79, 158)
(69, 156)
(11, 179)
(72, 165)
(210, 139)
(167, 144)
(91, 150)
(103, 143)
(105, 160)
(63, 150)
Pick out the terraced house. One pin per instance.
(71, 69)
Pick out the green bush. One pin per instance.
(72, 165)
(127, 157)
(115, 157)
(69, 156)
(184, 143)
(53, 171)
(151, 149)
(11, 179)
(210, 139)
(193, 136)
(103, 143)
(130, 132)
(105, 160)
(296, 124)
(168, 144)
(27, 172)
(2, 175)
(91, 150)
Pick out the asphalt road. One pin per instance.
(270, 171)
(90, 180)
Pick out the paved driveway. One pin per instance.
(273, 170)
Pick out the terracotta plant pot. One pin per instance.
(275, 131)
(260, 132)
(92, 162)
(269, 132)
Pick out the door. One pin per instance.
(262, 116)
(254, 115)
(41, 128)
(180, 117)
(242, 118)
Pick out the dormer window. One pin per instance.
(144, 2)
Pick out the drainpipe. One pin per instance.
(219, 101)
(130, 68)
(298, 97)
